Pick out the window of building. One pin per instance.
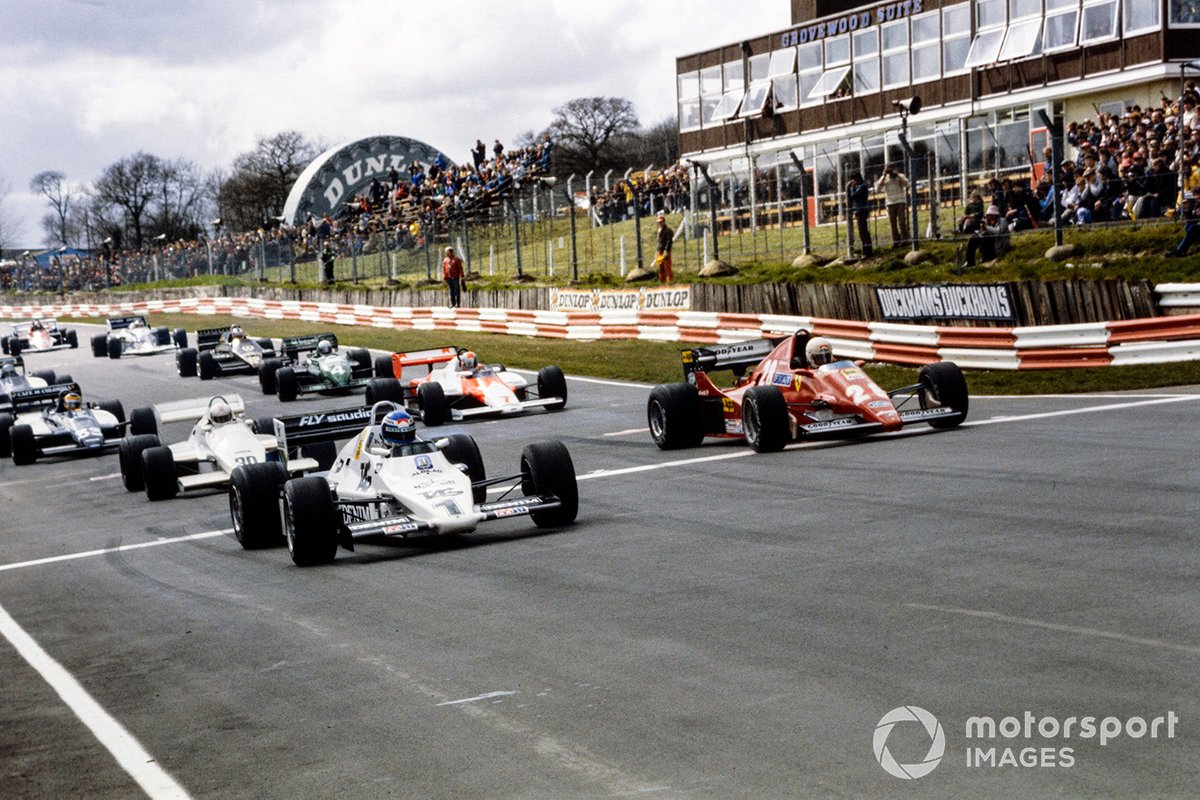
(866, 61)
(986, 47)
(809, 63)
(755, 101)
(760, 67)
(1062, 25)
(926, 47)
(726, 108)
(689, 101)
(837, 50)
(783, 78)
(711, 91)
(783, 62)
(735, 75)
(1184, 14)
(833, 83)
(1018, 9)
(1024, 38)
(894, 36)
(956, 41)
(1099, 21)
(1143, 17)
(990, 13)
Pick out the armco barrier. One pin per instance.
(1141, 341)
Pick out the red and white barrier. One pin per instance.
(1142, 341)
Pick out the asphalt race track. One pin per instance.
(717, 625)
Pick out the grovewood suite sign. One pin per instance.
(851, 22)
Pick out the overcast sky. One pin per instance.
(84, 83)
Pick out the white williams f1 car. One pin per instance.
(221, 440)
(54, 420)
(131, 336)
(388, 484)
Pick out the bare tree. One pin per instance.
(8, 222)
(54, 187)
(262, 178)
(586, 130)
(131, 185)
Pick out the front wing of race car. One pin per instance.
(519, 407)
(403, 525)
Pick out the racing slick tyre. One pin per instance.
(206, 366)
(546, 468)
(63, 378)
(551, 383)
(264, 425)
(286, 384)
(113, 407)
(943, 384)
(72, 339)
(114, 348)
(765, 419)
(324, 453)
(162, 336)
(674, 414)
(254, 504)
(266, 374)
(383, 367)
(6, 423)
(185, 362)
(47, 375)
(431, 399)
(100, 345)
(129, 454)
(360, 358)
(4, 345)
(179, 337)
(14, 346)
(142, 422)
(158, 473)
(381, 390)
(462, 449)
(310, 521)
(22, 444)
(267, 345)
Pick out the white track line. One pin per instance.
(118, 549)
(477, 698)
(128, 752)
(1057, 626)
(1178, 398)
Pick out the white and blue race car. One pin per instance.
(131, 336)
(54, 420)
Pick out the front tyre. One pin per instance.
(547, 469)
(185, 362)
(552, 383)
(23, 445)
(381, 390)
(100, 345)
(310, 521)
(765, 419)
(943, 385)
(158, 472)
(254, 504)
(674, 414)
(462, 449)
(206, 366)
(266, 374)
(286, 384)
(129, 455)
(431, 399)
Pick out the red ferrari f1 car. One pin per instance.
(796, 391)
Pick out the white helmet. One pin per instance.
(220, 412)
(138, 323)
(235, 332)
(324, 347)
(467, 360)
(818, 351)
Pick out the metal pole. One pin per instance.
(1054, 128)
(571, 216)
(517, 236)
(803, 201)
(637, 226)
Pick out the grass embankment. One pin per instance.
(658, 362)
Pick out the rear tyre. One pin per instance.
(286, 384)
(63, 378)
(14, 346)
(765, 419)
(462, 449)
(45, 374)
(360, 359)
(310, 521)
(943, 385)
(674, 414)
(72, 339)
(267, 345)
(266, 374)
(179, 337)
(162, 336)
(206, 366)
(23, 445)
(381, 390)
(100, 345)
(263, 425)
(551, 383)
(383, 367)
(129, 454)
(114, 348)
(546, 468)
(115, 408)
(142, 422)
(324, 453)
(185, 362)
(6, 423)
(254, 504)
(431, 399)
(158, 473)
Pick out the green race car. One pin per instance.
(314, 364)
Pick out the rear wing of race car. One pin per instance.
(417, 358)
(120, 323)
(323, 426)
(22, 328)
(208, 338)
(188, 410)
(737, 357)
(32, 399)
(305, 344)
(16, 361)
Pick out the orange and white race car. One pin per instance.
(458, 387)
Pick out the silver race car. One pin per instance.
(131, 336)
(54, 420)
(388, 484)
(13, 378)
(222, 351)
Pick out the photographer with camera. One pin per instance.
(895, 195)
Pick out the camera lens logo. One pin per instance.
(937, 746)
